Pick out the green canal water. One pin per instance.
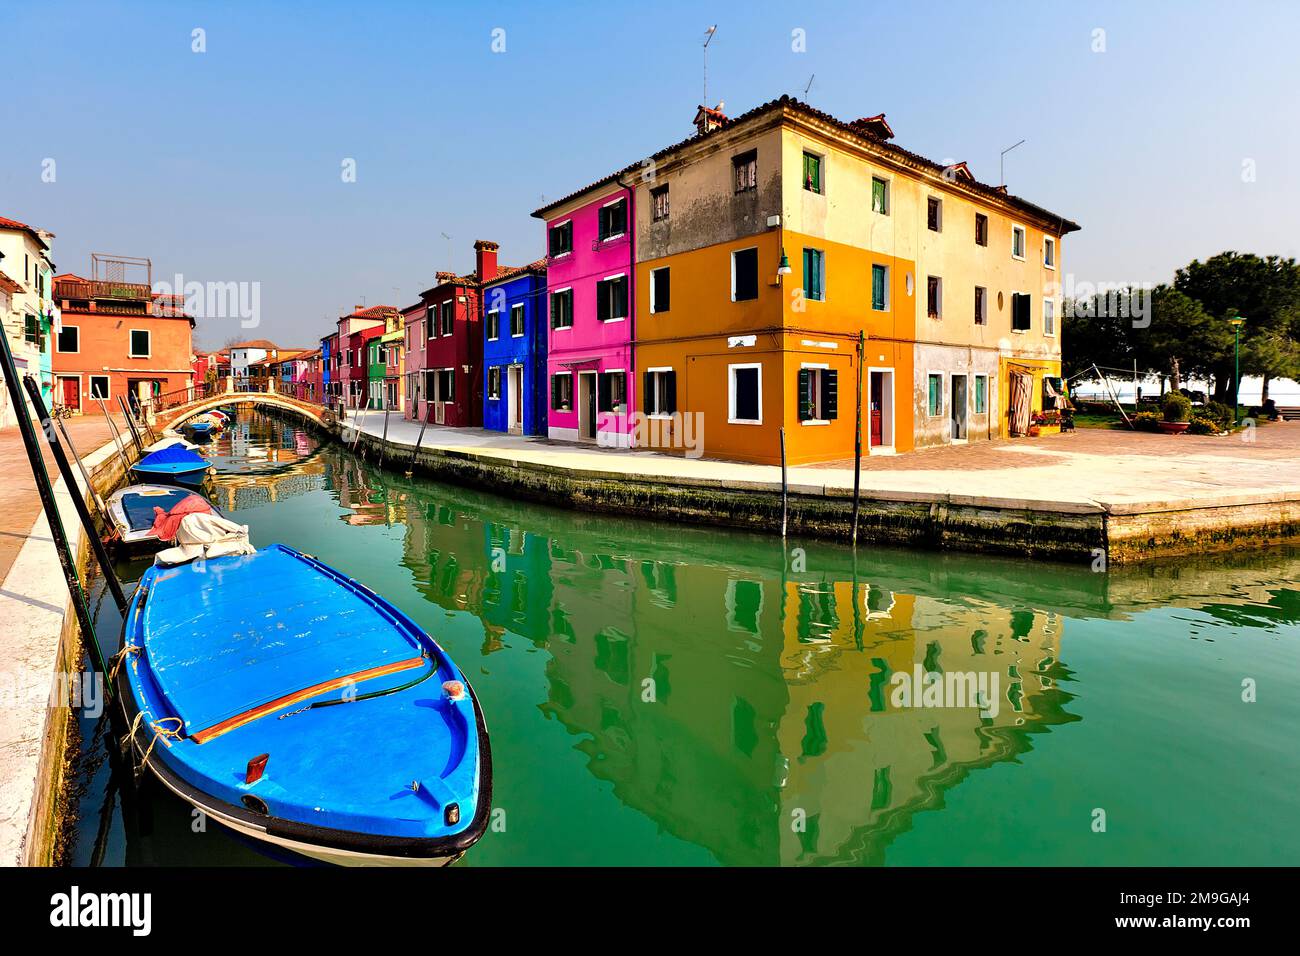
(660, 694)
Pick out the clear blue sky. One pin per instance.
(225, 165)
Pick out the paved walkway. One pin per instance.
(20, 505)
(1088, 469)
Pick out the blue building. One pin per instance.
(515, 397)
(326, 355)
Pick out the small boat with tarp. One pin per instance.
(149, 515)
(295, 706)
(173, 463)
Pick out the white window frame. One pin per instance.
(1024, 241)
(982, 320)
(731, 394)
(821, 268)
(497, 396)
(975, 376)
(497, 313)
(557, 225)
(821, 168)
(1049, 305)
(523, 321)
(888, 283)
(1049, 243)
(939, 200)
(573, 395)
(889, 198)
(615, 235)
(733, 272)
(654, 390)
(77, 350)
(929, 374)
(555, 292)
(817, 391)
(627, 302)
(1011, 303)
(108, 387)
(653, 309)
(130, 343)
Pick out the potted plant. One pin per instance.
(1176, 413)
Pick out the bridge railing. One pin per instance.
(168, 400)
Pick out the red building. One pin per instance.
(348, 374)
(444, 357)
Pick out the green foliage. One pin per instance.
(1217, 412)
(1177, 407)
(1146, 422)
(1200, 425)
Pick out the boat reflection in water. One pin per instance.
(660, 694)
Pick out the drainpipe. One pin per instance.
(631, 302)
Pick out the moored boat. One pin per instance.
(295, 706)
(174, 463)
(131, 511)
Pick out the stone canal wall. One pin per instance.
(1046, 530)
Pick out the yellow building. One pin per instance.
(771, 248)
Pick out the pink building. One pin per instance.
(590, 267)
(349, 366)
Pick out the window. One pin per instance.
(660, 290)
(934, 297)
(31, 330)
(880, 195)
(446, 384)
(448, 317)
(613, 219)
(517, 320)
(611, 298)
(880, 288)
(981, 394)
(659, 203)
(493, 325)
(934, 214)
(745, 170)
(611, 392)
(1018, 241)
(744, 275)
(562, 309)
(140, 343)
(745, 399)
(69, 339)
(494, 382)
(981, 229)
(934, 397)
(99, 386)
(561, 238)
(1049, 317)
(814, 275)
(562, 392)
(812, 172)
(660, 391)
(1049, 252)
(981, 305)
(1020, 304)
(818, 395)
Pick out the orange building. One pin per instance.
(119, 338)
(783, 254)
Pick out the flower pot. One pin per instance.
(1174, 428)
(1034, 430)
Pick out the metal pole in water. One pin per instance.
(85, 475)
(117, 437)
(410, 468)
(46, 491)
(857, 445)
(785, 505)
(384, 443)
(65, 469)
(130, 424)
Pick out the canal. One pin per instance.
(660, 694)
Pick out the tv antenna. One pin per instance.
(448, 238)
(809, 86)
(708, 38)
(1002, 177)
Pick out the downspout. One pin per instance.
(631, 304)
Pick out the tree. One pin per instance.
(1266, 290)
(1182, 339)
(1094, 333)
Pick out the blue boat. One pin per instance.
(199, 429)
(131, 511)
(174, 462)
(296, 707)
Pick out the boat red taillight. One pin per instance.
(454, 689)
(256, 767)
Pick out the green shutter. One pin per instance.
(878, 287)
(805, 395)
(670, 393)
(830, 395)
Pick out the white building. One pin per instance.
(26, 309)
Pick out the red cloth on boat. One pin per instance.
(167, 523)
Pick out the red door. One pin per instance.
(877, 421)
(72, 392)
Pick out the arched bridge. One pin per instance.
(175, 413)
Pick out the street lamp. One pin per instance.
(1237, 321)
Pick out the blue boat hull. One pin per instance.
(190, 479)
(244, 657)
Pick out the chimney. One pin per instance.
(485, 260)
(358, 307)
(707, 120)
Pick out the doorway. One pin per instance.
(586, 406)
(515, 399)
(958, 408)
(70, 392)
(880, 411)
